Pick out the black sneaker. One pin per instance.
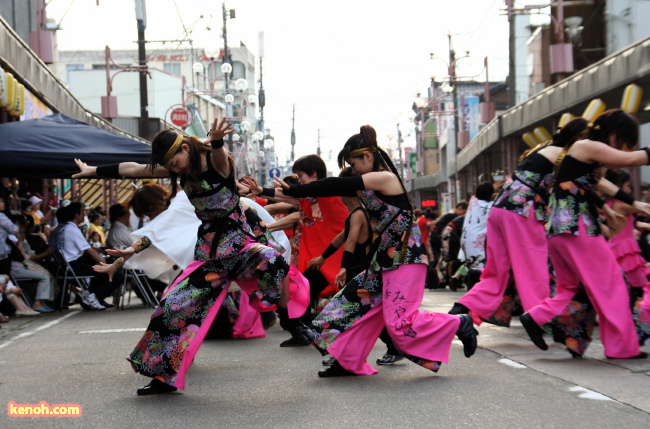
(155, 387)
(336, 370)
(389, 359)
(299, 341)
(467, 334)
(534, 331)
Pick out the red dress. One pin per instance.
(322, 219)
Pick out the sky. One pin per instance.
(342, 63)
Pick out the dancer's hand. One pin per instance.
(280, 185)
(219, 129)
(642, 226)
(316, 263)
(642, 207)
(105, 268)
(126, 253)
(340, 278)
(251, 183)
(615, 220)
(85, 170)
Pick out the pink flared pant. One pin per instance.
(514, 243)
(580, 259)
(416, 333)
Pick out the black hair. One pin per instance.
(24, 203)
(291, 179)
(623, 125)
(161, 144)
(462, 205)
(346, 172)
(367, 138)
(115, 212)
(93, 216)
(484, 191)
(618, 177)
(311, 164)
(570, 133)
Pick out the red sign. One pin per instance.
(429, 203)
(181, 116)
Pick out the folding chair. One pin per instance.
(138, 279)
(65, 275)
(18, 281)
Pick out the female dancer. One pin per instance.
(389, 292)
(226, 250)
(628, 255)
(575, 235)
(517, 235)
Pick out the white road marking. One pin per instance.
(512, 363)
(111, 331)
(40, 328)
(589, 394)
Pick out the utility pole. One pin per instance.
(224, 60)
(261, 96)
(512, 69)
(141, 18)
(293, 134)
(399, 148)
(453, 83)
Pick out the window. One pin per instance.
(238, 70)
(172, 68)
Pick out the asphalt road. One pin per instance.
(77, 357)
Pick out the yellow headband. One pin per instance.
(359, 152)
(174, 147)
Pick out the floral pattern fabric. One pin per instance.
(239, 256)
(389, 224)
(525, 190)
(569, 203)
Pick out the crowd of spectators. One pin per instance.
(31, 241)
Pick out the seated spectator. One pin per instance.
(119, 234)
(95, 240)
(13, 292)
(36, 245)
(6, 227)
(23, 268)
(96, 220)
(37, 214)
(69, 239)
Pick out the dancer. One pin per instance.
(517, 237)
(389, 292)
(322, 220)
(575, 235)
(628, 255)
(226, 250)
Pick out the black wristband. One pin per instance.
(624, 197)
(329, 251)
(110, 171)
(216, 144)
(647, 152)
(268, 192)
(346, 262)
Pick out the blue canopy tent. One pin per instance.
(46, 147)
